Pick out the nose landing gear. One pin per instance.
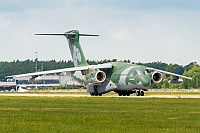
(139, 93)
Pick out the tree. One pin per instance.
(170, 68)
(194, 73)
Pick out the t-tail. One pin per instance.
(75, 47)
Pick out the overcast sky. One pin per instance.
(139, 30)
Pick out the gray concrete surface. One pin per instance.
(87, 95)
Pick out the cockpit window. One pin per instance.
(134, 73)
(138, 72)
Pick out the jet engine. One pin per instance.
(96, 77)
(175, 81)
(156, 77)
(34, 79)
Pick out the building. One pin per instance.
(46, 81)
(7, 86)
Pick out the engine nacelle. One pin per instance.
(175, 81)
(34, 80)
(96, 77)
(156, 77)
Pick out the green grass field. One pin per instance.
(99, 114)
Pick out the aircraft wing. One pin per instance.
(168, 73)
(58, 71)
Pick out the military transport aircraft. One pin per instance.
(122, 78)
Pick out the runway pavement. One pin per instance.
(87, 95)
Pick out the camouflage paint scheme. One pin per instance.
(75, 48)
(122, 78)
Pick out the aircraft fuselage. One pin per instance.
(123, 77)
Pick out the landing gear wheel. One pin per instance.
(91, 93)
(142, 93)
(138, 93)
(124, 93)
(120, 94)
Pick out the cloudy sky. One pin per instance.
(139, 30)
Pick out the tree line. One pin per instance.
(19, 67)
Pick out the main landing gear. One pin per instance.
(124, 93)
(95, 93)
(128, 92)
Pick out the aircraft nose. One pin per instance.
(146, 80)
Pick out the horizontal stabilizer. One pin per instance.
(67, 34)
(55, 34)
(87, 35)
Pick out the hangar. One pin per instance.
(47, 81)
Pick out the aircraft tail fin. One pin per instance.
(74, 45)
